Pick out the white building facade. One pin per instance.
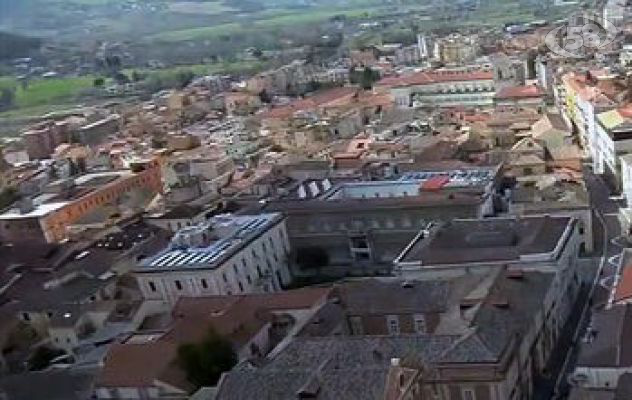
(246, 254)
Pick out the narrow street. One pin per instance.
(602, 267)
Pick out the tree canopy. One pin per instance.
(205, 362)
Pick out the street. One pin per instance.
(603, 269)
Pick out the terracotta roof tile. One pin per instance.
(624, 286)
(519, 92)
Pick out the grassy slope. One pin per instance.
(46, 91)
(283, 18)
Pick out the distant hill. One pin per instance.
(15, 46)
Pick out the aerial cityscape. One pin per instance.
(315, 199)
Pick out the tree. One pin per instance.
(42, 356)
(368, 78)
(183, 78)
(8, 196)
(99, 82)
(313, 257)
(265, 97)
(137, 76)
(365, 78)
(205, 362)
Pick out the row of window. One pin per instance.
(386, 223)
(392, 325)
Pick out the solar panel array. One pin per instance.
(205, 257)
(464, 177)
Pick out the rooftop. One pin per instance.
(431, 77)
(487, 240)
(49, 202)
(238, 318)
(210, 243)
(520, 92)
(358, 365)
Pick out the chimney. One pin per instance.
(26, 205)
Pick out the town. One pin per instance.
(448, 219)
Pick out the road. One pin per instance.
(608, 245)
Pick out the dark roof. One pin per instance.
(488, 240)
(609, 344)
(183, 211)
(391, 297)
(358, 365)
(355, 366)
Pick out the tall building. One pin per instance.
(225, 255)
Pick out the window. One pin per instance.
(259, 271)
(178, 285)
(241, 286)
(26, 316)
(468, 394)
(392, 322)
(152, 286)
(204, 284)
(224, 277)
(356, 326)
(420, 323)
(235, 269)
(249, 279)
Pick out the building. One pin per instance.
(178, 217)
(581, 98)
(97, 132)
(469, 338)
(225, 255)
(613, 139)
(386, 214)
(556, 198)
(542, 243)
(441, 88)
(41, 140)
(48, 216)
(455, 49)
(520, 96)
(144, 366)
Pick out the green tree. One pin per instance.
(42, 356)
(205, 362)
(8, 196)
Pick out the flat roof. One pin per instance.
(487, 240)
(414, 182)
(39, 211)
(47, 203)
(233, 232)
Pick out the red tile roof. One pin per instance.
(319, 99)
(430, 77)
(436, 182)
(624, 287)
(237, 318)
(519, 92)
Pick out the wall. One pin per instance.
(54, 225)
(251, 270)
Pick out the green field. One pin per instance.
(270, 19)
(204, 8)
(46, 91)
